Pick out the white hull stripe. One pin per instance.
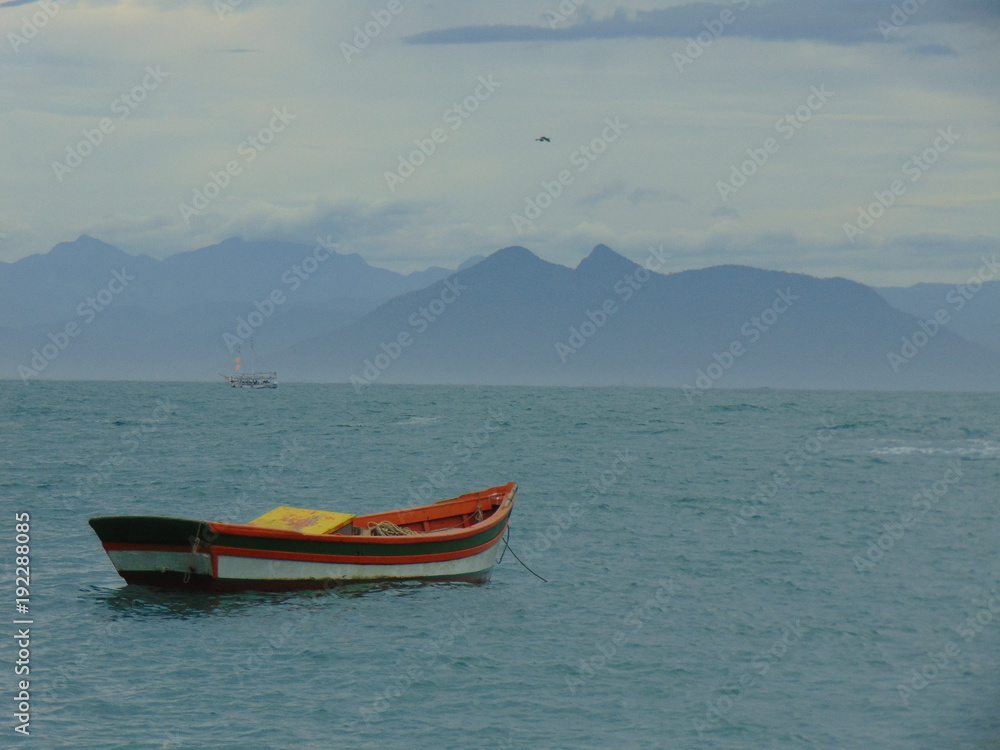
(260, 569)
(257, 569)
(161, 561)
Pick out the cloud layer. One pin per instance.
(829, 21)
(409, 129)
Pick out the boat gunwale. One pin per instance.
(501, 513)
(426, 552)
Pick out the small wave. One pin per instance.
(737, 407)
(861, 424)
(418, 420)
(975, 448)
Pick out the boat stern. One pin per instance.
(153, 550)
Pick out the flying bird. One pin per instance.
(544, 139)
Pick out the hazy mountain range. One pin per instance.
(166, 318)
(88, 310)
(974, 312)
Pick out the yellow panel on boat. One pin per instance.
(302, 520)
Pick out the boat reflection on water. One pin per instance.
(132, 601)
(144, 601)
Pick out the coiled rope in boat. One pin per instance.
(388, 528)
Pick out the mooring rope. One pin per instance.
(508, 547)
(388, 528)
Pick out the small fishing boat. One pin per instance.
(294, 548)
(250, 379)
(253, 380)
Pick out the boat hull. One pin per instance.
(201, 555)
(253, 380)
(174, 570)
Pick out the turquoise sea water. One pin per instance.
(753, 569)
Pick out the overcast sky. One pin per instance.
(749, 132)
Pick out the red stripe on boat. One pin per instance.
(355, 559)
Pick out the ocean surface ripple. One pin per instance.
(750, 569)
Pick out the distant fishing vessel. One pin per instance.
(253, 379)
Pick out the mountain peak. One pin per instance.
(514, 258)
(84, 245)
(519, 266)
(603, 260)
(513, 254)
(601, 250)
